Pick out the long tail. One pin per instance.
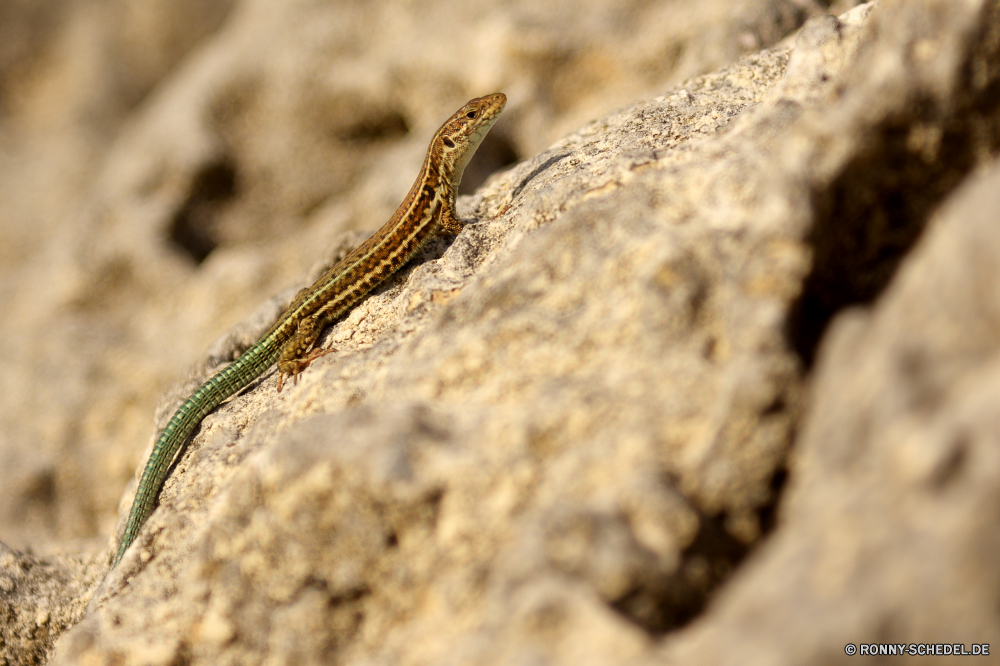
(209, 395)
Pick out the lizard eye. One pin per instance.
(471, 114)
(448, 142)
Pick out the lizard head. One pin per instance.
(460, 136)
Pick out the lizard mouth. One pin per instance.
(497, 101)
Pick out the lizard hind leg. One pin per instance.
(296, 355)
(295, 367)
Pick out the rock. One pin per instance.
(554, 438)
(888, 528)
(40, 599)
(445, 461)
(167, 166)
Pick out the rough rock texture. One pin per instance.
(166, 166)
(40, 598)
(888, 531)
(889, 526)
(554, 438)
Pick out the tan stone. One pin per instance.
(555, 438)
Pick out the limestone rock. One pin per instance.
(556, 437)
(167, 165)
(888, 531)
(40, 598)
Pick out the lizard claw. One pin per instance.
(294, 367)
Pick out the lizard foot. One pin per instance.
(295, 366)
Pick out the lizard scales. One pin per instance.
(428, 209)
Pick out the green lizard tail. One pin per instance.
(209, 395)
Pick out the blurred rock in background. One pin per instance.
(706, 379)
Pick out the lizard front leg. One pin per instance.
(449, 224)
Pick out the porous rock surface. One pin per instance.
(556, 437)
(168, 165)
(40, 598)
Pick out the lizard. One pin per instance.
(427, 210)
